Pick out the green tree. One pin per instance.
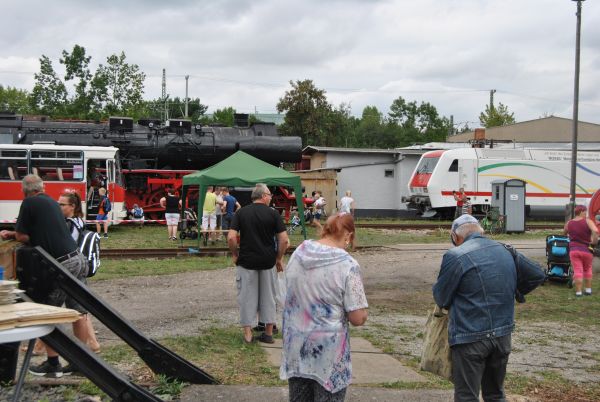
(370, 128)
(77, 68)
(14, 100)
(339, 128)
(120, 85)
(224, 116)
(49, 95)
(418, 123)
(307, 112)
(496, 116)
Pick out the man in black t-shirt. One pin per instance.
(41, 223)
(259, 227)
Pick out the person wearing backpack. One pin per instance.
(70, 205)
(41, 223)
(103, 209)
(137, 214)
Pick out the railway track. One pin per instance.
(132, 253)
(429, 226)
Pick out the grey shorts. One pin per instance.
(76, 265)
(256, 295)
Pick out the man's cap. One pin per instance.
(463, 220)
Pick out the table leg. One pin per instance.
(24, 369)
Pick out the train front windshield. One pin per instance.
(427, 165)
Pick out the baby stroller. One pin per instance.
(559, 264)
(296, 223)
(188, 226)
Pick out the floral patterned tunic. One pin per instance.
(323, 283)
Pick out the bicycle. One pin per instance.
(493, 222)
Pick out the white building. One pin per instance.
(378, 178)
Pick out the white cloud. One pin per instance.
(243, 53)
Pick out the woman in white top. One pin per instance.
(70, 205)
(324, 293)
(347, 203)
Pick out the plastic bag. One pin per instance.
(280, 289)
(436, 357)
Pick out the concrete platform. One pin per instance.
(369, 364)
(248, 393)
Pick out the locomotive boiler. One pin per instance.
(151, 144)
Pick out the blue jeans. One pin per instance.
(480, 365)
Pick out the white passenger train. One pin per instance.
(547, 173)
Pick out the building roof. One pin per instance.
(547, 125)
(312, 149)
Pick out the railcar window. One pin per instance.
(13, 164)
(388, 173)
(427, 165)
(57, 165)
(453, 166)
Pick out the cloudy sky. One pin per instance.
(241, 53)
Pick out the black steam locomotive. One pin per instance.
(151, 144)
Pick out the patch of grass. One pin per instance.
(111, 269)
(89, 388)
(118, 353)
(149, 236)
(557, 303)
(221, 352)
(123, 236)
(551, 386)
(431, 384)
(69, 394)
(167, 386)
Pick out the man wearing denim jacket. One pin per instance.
(477, 283)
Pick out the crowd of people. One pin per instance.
(324, 294)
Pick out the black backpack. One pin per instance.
(88, 243)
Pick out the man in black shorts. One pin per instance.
(263, 241)
(41, 223)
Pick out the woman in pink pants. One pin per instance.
(582, 232)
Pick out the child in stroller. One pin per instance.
(188, 225)
(295, 222)
(558, 262)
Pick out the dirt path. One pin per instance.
(185, 304)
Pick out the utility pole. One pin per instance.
(572, 200)
(492, 92)
(164, 96)
(186, 96)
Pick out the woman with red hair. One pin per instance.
(324, 291)
(582, 233)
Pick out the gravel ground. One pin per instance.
(185, 304)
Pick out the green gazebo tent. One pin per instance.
(242, 170)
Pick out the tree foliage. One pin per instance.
(418, 123)
(116, 87)
(496, 116)
(307, 113)
(122, 84)
(49, 95)
(14, 100)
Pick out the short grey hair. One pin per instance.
(259, 190)
(32, 183)
(468, 228)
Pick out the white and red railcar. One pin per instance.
(547, 173)
(63, 168)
